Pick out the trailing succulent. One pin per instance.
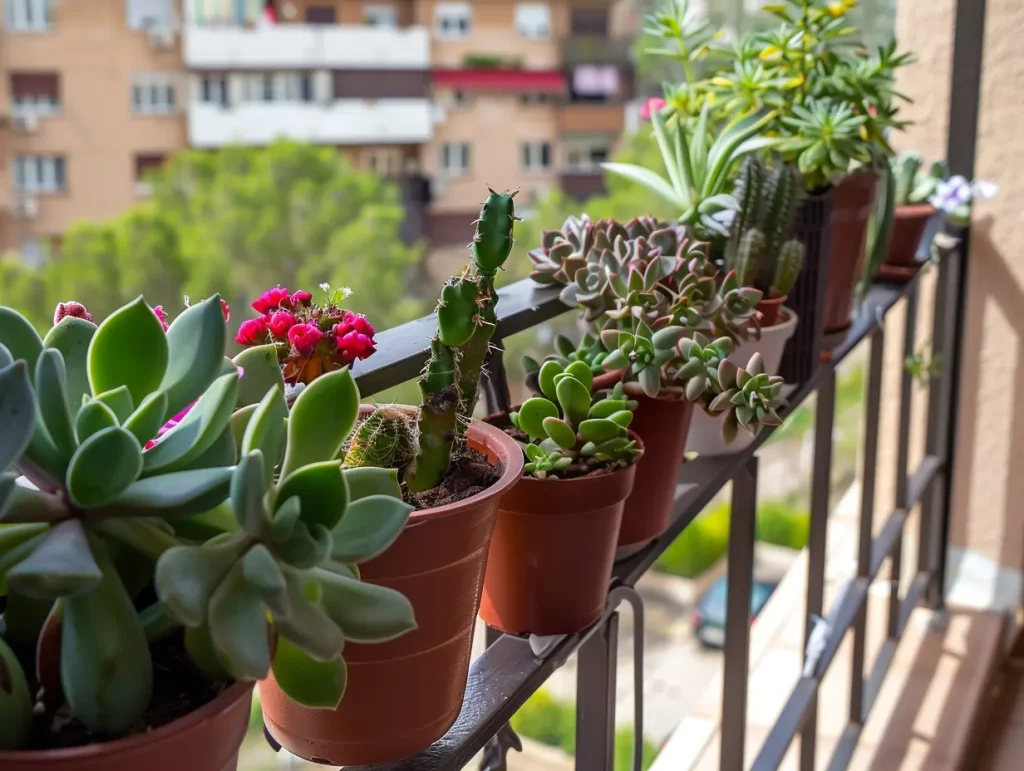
(466, 323)
(759, 248)
(566, 425)
(131, 437)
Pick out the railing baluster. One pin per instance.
(742, 525)
(867, 517)
(818, 542)
(494, 381)
(595, 698)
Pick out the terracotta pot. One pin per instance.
(206, 740)
(554, 533)
(705, 437)
(769, 309)
(907, 229)
(662, 425)
(853, 201)
(405, 694)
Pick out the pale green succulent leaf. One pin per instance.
(366, 613)
(120, 402)
(92, 418)
(52, 401)
(195, 343)
(265, 430)
(20, 338)
(533, 413)
(247, 493)
(103, 467)
(187, 576)
(17, 413)
(61, 566)
(367, 481)
(238, 627)
(129, 349)
(561, 432)
(262, 571)
(16, 702)
(307, 626)
(180, 494)
(369, 527)
(283, 522)
(313, 684)
(261, 374)
(322, 491)
(148, 418)
(306, 546)
(72, 336)
(321, 420)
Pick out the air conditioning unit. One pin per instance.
(25, 206)
(25, 122)
(162, 38)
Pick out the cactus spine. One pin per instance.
(466, 322)
(758, 249)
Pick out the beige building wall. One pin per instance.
(96, 55)
(988, 497)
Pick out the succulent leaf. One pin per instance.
(103, 467)
(179, 494)
(148, 417)
(366, 613)
(314, 684)
(187, 576)
(15, 702)
(17, 412)
(364, 482)
(307, 626)
(266, 431)
(560, 431)
(321, 420)
(532, 415)
(61, 566)
(238, 626)
(549, 370)
(129, 349)
(261, 373)
(321, 490)
(20, 338)
(71, 337)
(195, 346)
(370, 526)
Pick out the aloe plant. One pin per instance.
(567, 425)
(81, 410)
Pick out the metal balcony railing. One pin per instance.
(512, 668)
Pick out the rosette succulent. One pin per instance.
(308, 338)
(748, 396)
(568, 429)
(106, 515)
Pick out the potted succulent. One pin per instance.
(914, 187)
(150, 578)
(403, 695)
(647, 291)
(559, 527)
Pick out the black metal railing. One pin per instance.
(512, 668)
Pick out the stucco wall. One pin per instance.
(988, 499)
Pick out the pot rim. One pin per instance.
(915, 210)
(487, 435)
(208, 711)
(786, 323)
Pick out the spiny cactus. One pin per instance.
(386, 439)
(85, 414)
(466, 322)
(567, 424)
(758, 239)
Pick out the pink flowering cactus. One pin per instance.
(310, 338)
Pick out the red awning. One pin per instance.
(548, 81)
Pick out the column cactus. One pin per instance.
(466, 322)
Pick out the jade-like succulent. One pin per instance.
(748, 396)
(130, 437)
(466, 322)
(914, 184)
(279, 590)
(567, 425)
(759, 248)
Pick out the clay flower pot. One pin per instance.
(553, 551)
(662, 425)
(705, 437)
(206, 740)
(405, 694)
(853, 201)
(901, 262)
(769, 308)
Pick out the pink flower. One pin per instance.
(71, 308)
(355, 345)
(278, 297)
(651, 106)
(354, 321)
(302, 298)
(226, 309)
(159, 312)
(304, 338)
(252, 332)
(279, 322)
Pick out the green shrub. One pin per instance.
(780, 524)
(699, 546)
(550, 721)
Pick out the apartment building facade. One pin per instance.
(443, 96)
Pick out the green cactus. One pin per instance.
(749, 255)
(567, 425)
(913, 184)
(466, 323)
(789, 265)
(386, 439)
(78, 411)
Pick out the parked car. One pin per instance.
(708, 615)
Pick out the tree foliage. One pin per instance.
(236, 222)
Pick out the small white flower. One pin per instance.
(326, 287)
(188, 301)
(292, 391)
(346, 292)
(983, 189)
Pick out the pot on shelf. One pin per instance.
(405, 694)
(206, 740)
(769, 308)
(853, 202)
(705, 436)
(662, 425)
(553, 551)
(901, 263)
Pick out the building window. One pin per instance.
(35, 94)
(381, 15)
(535, 156)
(145, 165)
(595, 81)
(149, 15)
(279, 87)
(213, 89)
(239, 12)
(455, 158)
(39, 174)
(533, 20)
(153, 93)
(33, 252)
(589, 21)
(320, 14)
(586, 154)
(384, 161)
(28, 15)
(454, 20)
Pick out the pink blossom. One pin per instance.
(651, 106)
(71, 308)
(252, 332)
(355, 345)
(226, 309)
(279, 322)
(302, 298)
(354, 321)
(278, 297)
(159, 312)
(304, 338)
